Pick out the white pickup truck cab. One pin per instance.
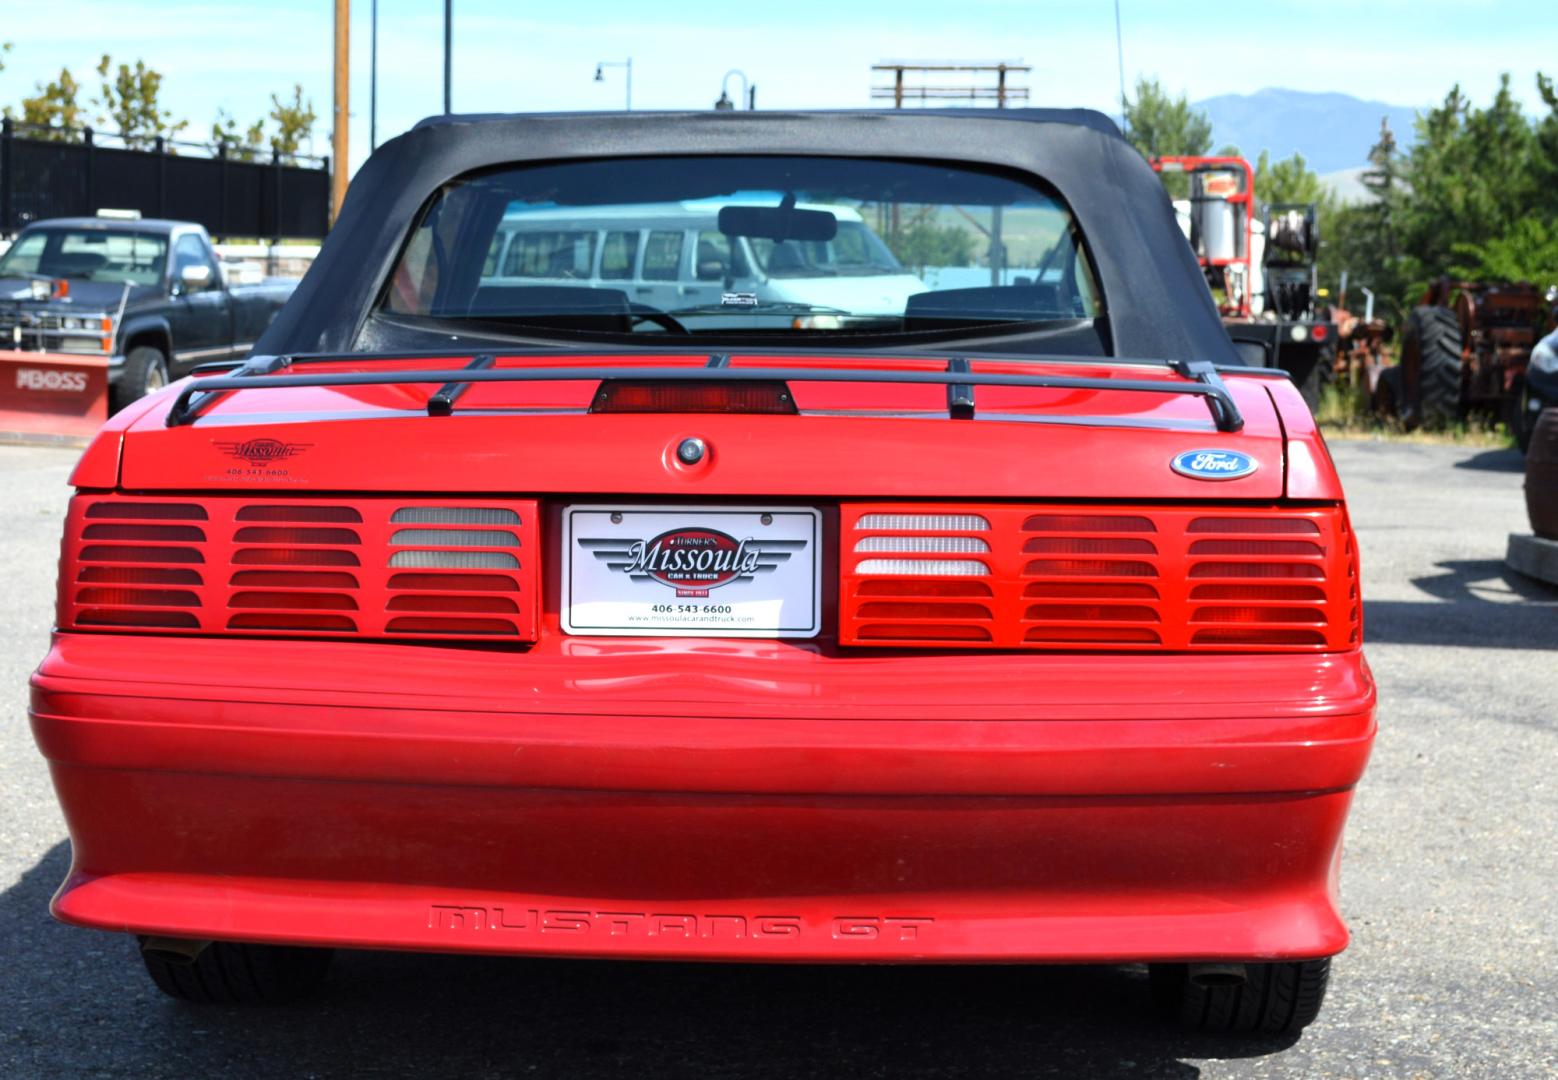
(672, 256)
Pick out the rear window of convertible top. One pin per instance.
(755, 244)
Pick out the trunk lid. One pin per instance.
(883, 440)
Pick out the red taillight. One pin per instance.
(294, 557)
(138, 598)
(295, 513)
(142, 532)
(126, 510)
(137, 575)
(379, 567)
(1165, 578)
(1255, 526)
(924, 587)
(1317, 333)
(627, 396)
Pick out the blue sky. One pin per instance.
(804, 53)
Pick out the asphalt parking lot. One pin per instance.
(1448, 883)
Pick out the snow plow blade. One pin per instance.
(52, 398)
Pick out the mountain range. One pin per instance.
(1333, 131)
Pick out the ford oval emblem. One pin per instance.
(1213, 464)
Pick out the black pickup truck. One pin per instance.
(151, 295)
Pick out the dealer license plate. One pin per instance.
(691, 571)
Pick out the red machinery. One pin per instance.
(1466, 348)
(1217, 183)
(1264, 283)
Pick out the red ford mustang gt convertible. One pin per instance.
(758, 537)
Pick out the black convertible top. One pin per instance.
(1158, 303)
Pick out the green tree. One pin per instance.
(1159, 125)
(1545, 156)
(130, 98)
(1362, 239)
(1288, 181)
(57, 106)
(1471, 175)
(242, 145)
(1528, 252)
(294, 122)
(5, 47)
(924, 243)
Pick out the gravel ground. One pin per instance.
(1448, 884)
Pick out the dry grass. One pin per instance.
(1344, 413)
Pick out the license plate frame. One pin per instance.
(718, 571)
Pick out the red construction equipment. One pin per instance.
(54, 398)
(1262, 275)
(1223, 239)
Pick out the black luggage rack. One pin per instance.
(1202, 379)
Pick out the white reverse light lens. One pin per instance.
(454, 515)
(941, 545)
(456, 537)
(454, 560)
(924, 567)
(922, 522)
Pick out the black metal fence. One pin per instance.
(57, 172)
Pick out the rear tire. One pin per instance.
(1542, 476)
(236, 973)
(145, 372)
(1431, 343)
(1275, 999)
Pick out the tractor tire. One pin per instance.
(1275, 999)
(1431, 346)
(1388, 392)
(236, 973)
(145, 372)
(1542, 475)
(1320, 378)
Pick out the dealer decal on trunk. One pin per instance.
(692, 561)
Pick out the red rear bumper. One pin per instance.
(705, 799)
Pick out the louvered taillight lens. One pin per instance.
(386, 568)
(1057, 577)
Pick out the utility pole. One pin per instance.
(338, 139)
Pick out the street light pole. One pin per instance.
(448, 54)
(600, 75)
(724, 104)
